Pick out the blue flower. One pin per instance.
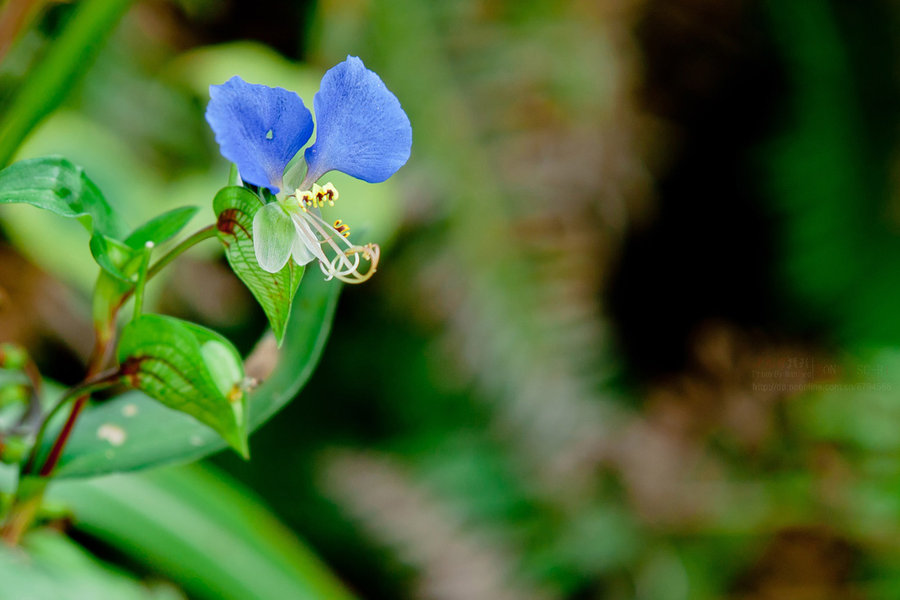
(362, 131)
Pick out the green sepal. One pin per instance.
(235, 208)
(189, 369)
(55, 184)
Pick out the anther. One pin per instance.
(331, 193)
(307, 200)
(341, 228)
(319, 192)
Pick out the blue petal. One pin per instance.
(362, 130)
(258, 128)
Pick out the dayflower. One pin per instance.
(361, 131)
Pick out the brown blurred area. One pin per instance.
(42, 314)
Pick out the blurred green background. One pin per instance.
(635, 334)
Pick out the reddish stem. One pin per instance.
(59, 443)
(98, 358)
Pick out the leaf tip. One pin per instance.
(242, 447)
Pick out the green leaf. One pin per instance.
(50, 566)
(154, 435)
(116, 258)
(199, 528)
(162, 228)
(236, 208)
(55, 184)
(190, 369)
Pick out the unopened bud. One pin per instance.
(13, 356)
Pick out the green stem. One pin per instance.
(25, 506)
(203, 234)
(142, 281)
(56, 73)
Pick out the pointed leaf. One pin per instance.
(236, 208)
(169, 360)
(55, 184)
(162, 228)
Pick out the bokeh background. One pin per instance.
(636, 331)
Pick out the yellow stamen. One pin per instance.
(307, 200)
(331, 193)
(319, 193)
(341, 228)
(345, 262)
